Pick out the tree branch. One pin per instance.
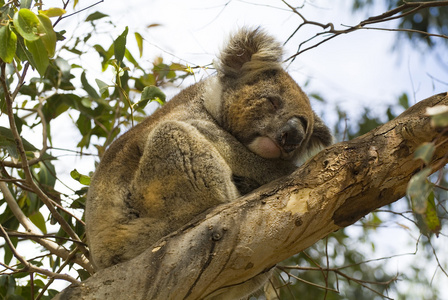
(32, 229)
(9, 100)
(408, 8)
(27, 267)
(237, 241)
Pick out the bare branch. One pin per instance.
(26, 168)
(408, 8)
(32, 229)
(27, 267)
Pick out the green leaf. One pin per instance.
(120, 46)
(130, 58)
(104, 87)
(40, 55)
(83, 274)
(47, 174)
(8, 253)
(425, 152)
(8, 44)
(139, 40)
(83, 179)
(22, 52)
(47, 34)
(95, 16)
(26, 23)
(151, 93)
(11, 286)
(7, 142)
(53, 12)
(26, 3)
(106, 55)
(419, 189)
(317, 96)
(84, 124)
(430, 217)
(439, 115)
(404, 101)
(39, 221)
(87, 87)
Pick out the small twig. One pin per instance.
(407, 30)
(26, 235)
(27, 267)
(25, 166)
(32, 229)
(76, 12)
(61, 267)
(408, 8)
(308, 282)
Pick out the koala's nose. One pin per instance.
(291, 135)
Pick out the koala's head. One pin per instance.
(258, 102)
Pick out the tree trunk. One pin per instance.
(234, 242)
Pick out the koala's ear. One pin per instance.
(321, 136)
(249, 51)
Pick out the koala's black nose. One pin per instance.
(291, 135)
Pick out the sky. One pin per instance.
(352, 71)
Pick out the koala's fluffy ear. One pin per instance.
(248, 51)
(321, 136)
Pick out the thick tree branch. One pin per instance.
(235, 242)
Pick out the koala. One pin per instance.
(216, 140)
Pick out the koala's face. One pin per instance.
(270, 115)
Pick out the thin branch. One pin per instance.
(26, 235)
(27, 267)
(25, 166)
(44, 148)
(324, 287)
(408, 8)
(76, 12)
(32, 229)
(407, 30)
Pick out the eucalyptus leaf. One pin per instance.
(419, 189)
(39, 221)
(26, 24)
(139, 40)
(40, 55)
(83, 179)
(53, 12)
(95, 16)
(120, 46)
(425, 152)
(47, 34)
(430, 217)
(8, 44)
(151, 93)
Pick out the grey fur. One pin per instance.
(214, 141)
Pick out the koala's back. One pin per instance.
(116, 229)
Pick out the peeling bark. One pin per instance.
(237, 241)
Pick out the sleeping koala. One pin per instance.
(216, 140)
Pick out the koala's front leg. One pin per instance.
(180, 175)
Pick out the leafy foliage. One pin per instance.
(33, 101)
